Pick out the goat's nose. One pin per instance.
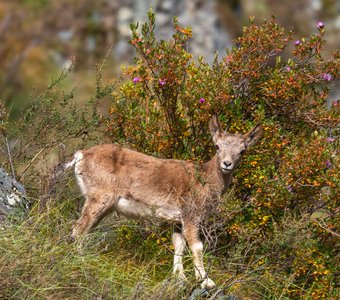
(227, 163)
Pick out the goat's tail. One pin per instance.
(61, 168)
(70, 163)
(76, 158)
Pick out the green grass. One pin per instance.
(121, 259)
(38, 260)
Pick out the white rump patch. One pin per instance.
(78, 156)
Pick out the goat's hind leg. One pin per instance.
(95, 208)
(179, 247)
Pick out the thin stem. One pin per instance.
(9, 157)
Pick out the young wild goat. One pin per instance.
(113, 178)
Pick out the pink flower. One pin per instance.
(201, 100)
(161, 81)
(297, 43)
(330, 140)
(320, 25)
(327, 77)
(328, 163)
(136, 79)
(288, 69)
(290, 189)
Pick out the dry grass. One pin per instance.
(38, 261)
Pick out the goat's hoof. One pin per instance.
(208, 284)
(72, 238)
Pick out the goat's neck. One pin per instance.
(215, 177)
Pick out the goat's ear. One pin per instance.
(215, 127)
(253, 135)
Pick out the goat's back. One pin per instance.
(125, 173)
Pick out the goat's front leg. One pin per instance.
(191, 234)
(179, 246)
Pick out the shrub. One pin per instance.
(49, 130)
(288, 182)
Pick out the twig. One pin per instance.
(32, 160)
(9, 157)
(5, 24)
(312, 121)
(324, 226)
(8, 151)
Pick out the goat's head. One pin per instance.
(230, 147)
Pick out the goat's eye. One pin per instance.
(242, 152)
(217, 147)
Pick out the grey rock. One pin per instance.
(12, 194)
(208, 35)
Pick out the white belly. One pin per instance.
(137, 209)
